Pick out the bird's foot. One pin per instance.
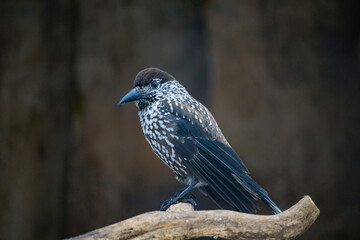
(189, 198)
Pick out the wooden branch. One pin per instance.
(180, 221)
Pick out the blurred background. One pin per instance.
(280, 77)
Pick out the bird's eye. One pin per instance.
(155, 83)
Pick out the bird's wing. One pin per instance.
(194, 122)
(211, 159)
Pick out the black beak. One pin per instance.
(133, 95)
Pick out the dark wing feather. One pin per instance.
(210, 158)
(226, 178)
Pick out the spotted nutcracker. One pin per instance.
(185, 136)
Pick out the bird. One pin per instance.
(185, 136)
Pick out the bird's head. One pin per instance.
(150, 84)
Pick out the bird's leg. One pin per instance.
(181, 195)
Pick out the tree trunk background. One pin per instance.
(281, 78)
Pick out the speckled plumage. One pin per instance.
(159, 123)
(185, 136)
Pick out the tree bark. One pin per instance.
(180, 221)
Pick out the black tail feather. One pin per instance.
(228, 184)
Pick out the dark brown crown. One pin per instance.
(145, 76)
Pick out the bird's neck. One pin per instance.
(142, 104)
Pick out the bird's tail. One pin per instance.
(227, 180)
(223, 202)
(266, 199)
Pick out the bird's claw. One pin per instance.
(189, 198)
(166, 204)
